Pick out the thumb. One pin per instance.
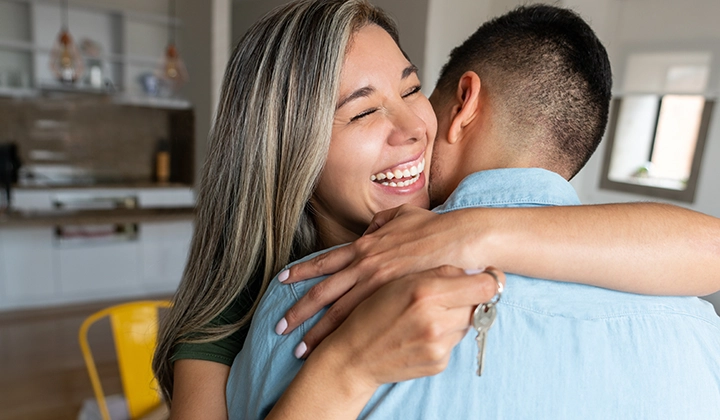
(381, 218)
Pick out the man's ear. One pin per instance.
(466, 105)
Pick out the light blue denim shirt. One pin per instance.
(556, 351)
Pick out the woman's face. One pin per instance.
(382, 134)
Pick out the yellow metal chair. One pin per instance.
(135, 327)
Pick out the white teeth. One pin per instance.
(401, 184)
(409, 174)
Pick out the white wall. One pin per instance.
(204, 44)
(449, 24)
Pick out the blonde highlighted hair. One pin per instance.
(267, 149)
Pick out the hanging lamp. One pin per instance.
(65, 60)
(172, 71)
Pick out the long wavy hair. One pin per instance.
(267, 149)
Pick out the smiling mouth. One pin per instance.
(400, 177)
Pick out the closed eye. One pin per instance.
(363, 114)
(412, 91)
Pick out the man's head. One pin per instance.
(531, 88)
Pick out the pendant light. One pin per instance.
(172, 70)
(65, 60)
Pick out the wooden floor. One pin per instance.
(42, 373)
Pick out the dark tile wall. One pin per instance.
(83, 139)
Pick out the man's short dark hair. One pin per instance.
(546, 69)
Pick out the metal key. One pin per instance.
(483, 319)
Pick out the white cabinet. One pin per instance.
(56, 265)
(87, 271)
(163, 246)
(28, 266)
(36, 268)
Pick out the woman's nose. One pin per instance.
(407, 127)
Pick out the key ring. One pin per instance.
(495, 299)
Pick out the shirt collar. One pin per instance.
(513, 187)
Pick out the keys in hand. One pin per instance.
(483, 318)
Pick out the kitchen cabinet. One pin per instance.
(52, 256)
(162, 245)
(89, 270)
(28, 263)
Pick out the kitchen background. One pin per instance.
(101, 207)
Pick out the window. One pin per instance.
(658, 127)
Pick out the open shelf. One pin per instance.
(131, 45)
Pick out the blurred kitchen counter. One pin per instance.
(94, 217)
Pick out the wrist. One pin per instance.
(342, 372)
(478, 237)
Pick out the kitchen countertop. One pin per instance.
(123, 185)
(93, 217)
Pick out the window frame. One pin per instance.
(688, 194)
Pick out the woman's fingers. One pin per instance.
(333, 289)
(452, 287)
(324, 264)
(381, 218)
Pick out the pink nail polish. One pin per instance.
(471, 271)
(281, 326)
(300, 350)
(283, 276)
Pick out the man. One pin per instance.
(530, 90)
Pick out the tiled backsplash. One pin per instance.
(88, 139)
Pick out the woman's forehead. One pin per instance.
(373, 53)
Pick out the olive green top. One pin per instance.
(222, 351)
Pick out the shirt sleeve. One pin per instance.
(224, 350)
(220, 351)
(266, 365)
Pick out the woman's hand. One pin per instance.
(411, 239)
(408, 328)
(405, 330)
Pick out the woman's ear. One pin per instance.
(466, 107)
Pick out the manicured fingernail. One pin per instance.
(283, 276)
(300, 350)
(471, 271)
(281, 326)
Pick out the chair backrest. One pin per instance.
(135, 327)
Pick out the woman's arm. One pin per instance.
(641, 247)
(199, 390)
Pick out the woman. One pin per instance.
(265, 200)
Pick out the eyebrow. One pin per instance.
(368, 90)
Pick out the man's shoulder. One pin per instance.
(266, 364)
